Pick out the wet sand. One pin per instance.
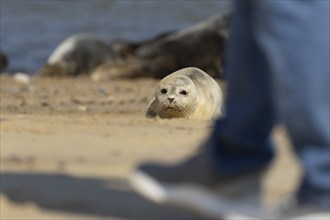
(69, 145)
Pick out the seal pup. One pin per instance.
(78, 54)
(187, 93)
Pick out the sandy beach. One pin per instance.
(69, 145)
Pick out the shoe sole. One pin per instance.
(187, 196)
(201, 200)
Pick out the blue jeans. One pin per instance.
(278, 71)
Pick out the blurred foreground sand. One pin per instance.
(68, 146)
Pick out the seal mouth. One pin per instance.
(172, 109)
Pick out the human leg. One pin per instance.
(241, 139)
(272, 35)
(294, 36)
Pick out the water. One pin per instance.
(31, 29)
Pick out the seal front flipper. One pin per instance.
(152, 109)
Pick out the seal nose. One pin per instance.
(170, 99)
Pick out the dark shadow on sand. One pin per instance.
(89, 196)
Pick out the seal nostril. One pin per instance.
(170, 99)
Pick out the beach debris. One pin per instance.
(22, 78)
(107, 100)
(102, 90)
(81, 100)
(82, 108)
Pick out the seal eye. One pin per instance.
(163, 91)
(183, 92)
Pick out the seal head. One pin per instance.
(175, 97)
(187, 93)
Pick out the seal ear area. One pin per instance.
(152, 108)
